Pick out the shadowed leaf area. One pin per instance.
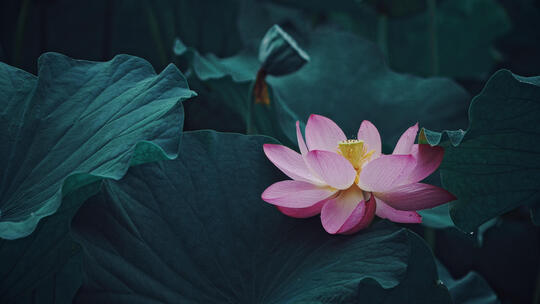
(195, 230)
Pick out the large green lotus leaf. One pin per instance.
(77, 122)
(346, 80)
(493, 166)
(195, 230)
(45, 267)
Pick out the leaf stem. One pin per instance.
(19, 34)
(430, 235)
(382, 35)
(536, 297)
(433, 43)
(154, 29)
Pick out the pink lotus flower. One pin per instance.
(349, 181)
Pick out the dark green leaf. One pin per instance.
(195, 230)
(454, 38)
(428, 290)
(470, 289)
(465, 32)
(346, 80)
(148, 28)
(279, 53)
(77, 122)
(223, 87)
(495, 165)
(509, 258)
(45, 267)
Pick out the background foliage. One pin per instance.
(392, 62)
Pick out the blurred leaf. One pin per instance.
(493, 167)
(78, 122)
(345, 80)
(535, 214)
(508, 260)
(148, 27)
(398, 8)
(256, 17)
(348, 81)
(173, 236)
(461, 46)
(76, 30)
(465, 33)
(322, 6)
(470, 289)
(520, 46)
(98, 30)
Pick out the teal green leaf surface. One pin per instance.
(438, 217)
(346, 80)
(470, 289)
(195, 230)
(45, 267)
(77, 122)
(492, 167)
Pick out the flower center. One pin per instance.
(355, 151)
